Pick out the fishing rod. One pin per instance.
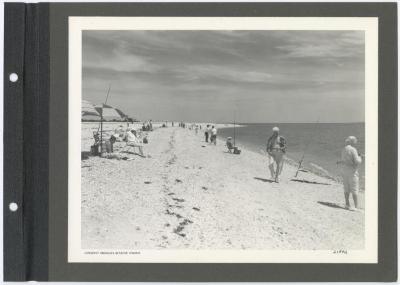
(234, 128)
(101, 121)
(101, 117)
(306, 148)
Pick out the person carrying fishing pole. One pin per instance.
(276, 149)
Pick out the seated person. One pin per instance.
(96, 137)
(229, 144)
(132, 140)
(119, 133)
(110, 144)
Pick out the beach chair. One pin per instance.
(131, 146)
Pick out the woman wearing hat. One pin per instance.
(350, 162)
(276, 148)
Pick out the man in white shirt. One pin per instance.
(350, 162)
(214, 135)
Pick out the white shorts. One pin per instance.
(275, 156)
(351, 183)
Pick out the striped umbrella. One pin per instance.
(110, 113)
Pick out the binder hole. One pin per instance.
(13, 207)
(13, 77)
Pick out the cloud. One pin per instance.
(221, 72)
(214, 69)
(329, 45)
(120, 62)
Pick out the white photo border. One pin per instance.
(78, 24)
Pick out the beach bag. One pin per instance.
(282, 144)
(145, 140)
(236, 150)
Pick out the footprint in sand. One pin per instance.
(178, 180)
(178, 200)
(196, 209)
(147, 182)
(204, 188)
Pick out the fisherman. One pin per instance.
(276, 149)
(350, 162)
(206, 132)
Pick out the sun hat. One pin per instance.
(275, 129)
(351, 140)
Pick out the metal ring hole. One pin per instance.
(13, 207)
(13, 77)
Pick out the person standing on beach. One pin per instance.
(350, 162)
(214, 135)
(276, 149)
(206, 132)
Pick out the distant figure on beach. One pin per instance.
(119, 130)
(132, 140)
(350, 162)
(214, 135)
(196, 128)
(229, 144)
(207, 132)
(276, 148)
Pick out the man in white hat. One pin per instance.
(276, 148)
(350, 162)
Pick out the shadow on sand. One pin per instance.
(131, 152)
(332, 205)
(264, 180)
(309, 182)
(85, 155)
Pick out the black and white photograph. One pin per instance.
(236, 141)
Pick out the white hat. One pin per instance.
(351, 140)
(275, 129)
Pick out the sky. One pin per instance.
(219, 76)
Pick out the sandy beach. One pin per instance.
(192, 195)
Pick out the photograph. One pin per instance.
(236, 141)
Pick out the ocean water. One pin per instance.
(322, 143)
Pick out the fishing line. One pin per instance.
(306, 148)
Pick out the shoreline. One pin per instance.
(324, 173)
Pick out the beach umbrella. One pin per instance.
(122, 114)
(109, 113)
(88, 112)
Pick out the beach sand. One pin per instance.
(193, 195)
